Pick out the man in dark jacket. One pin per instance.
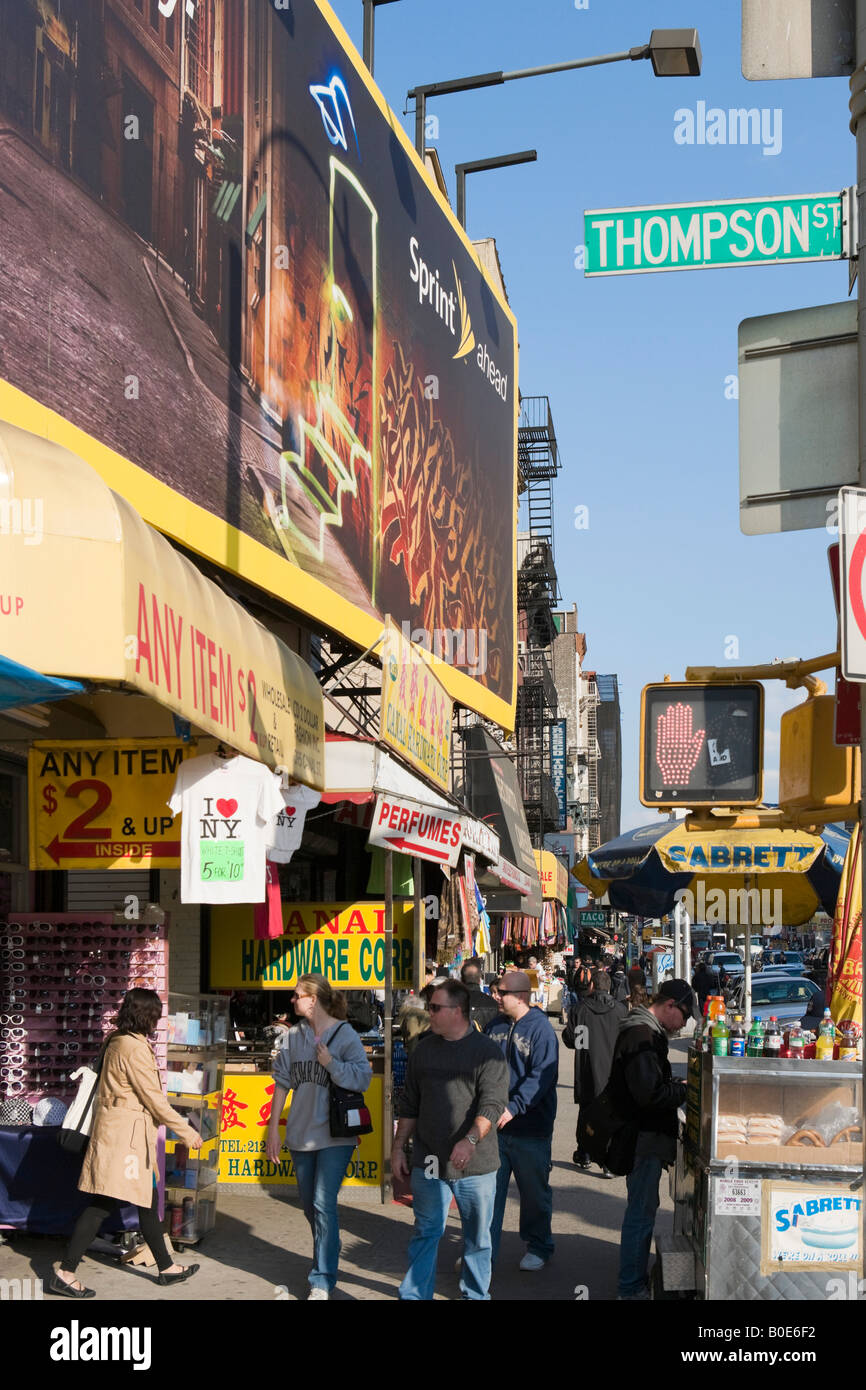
(531, 1050)
(643, 1090)
(591, 1030)
(704, 982)
(482, 1008)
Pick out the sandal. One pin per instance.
(178, 1278)
(59, 1286)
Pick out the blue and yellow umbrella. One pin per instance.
(643, 870)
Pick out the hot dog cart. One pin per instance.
(767, 1186)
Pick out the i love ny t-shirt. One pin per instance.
(227, 807)
(287, 831)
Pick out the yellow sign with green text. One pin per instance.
(101, 803)
(247, 1101)
(345, 942)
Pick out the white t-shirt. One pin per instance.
(227, 805)
(284, 835)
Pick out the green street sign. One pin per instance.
(697, 236)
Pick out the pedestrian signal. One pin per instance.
(701, 745)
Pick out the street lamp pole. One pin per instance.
(370, 30)
(673, 53)
(477, 166)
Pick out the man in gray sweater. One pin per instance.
(456, 1089)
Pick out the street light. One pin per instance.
(477, 166)
(370, 29)
(673, 53)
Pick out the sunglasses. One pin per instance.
(12, 1019)
(437, 1008)
(6, 941)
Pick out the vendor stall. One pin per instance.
(767, 1201)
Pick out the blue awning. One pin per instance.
(19, 685)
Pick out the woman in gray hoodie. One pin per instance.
(321, 1048)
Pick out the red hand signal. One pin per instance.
(677, 746)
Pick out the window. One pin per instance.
(154, 15)
(801, 991)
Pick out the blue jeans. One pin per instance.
(528, 1158)
(431, 1198)
(637, 1227)
(320, 1173)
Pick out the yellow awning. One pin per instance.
(89, 590)
(553, 875)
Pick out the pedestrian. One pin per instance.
(456, 1089)
(637, 991)
(582, 979)
(642, 1090)
(322, 1048)
(619, 986)
(120, 1164)
(592, 1030)
(482, 1008)
(525, 1128)
(703, 982)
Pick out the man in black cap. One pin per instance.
(642, 1089)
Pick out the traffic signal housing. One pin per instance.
(814, 772)
(701, 744)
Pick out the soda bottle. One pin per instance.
(738, 1037)
(772, 1038)
(755, 1040)
(720, 1036)
(700, 1039)
(848, 1045)
(796, 1042)
(826, 1038)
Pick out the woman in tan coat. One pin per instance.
(120, 1162)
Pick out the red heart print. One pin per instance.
(227, 808)
(290, 810)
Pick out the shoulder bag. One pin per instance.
(74, 1133)
(347, 1112)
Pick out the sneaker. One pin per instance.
(532, 1262)
(318, 1296)
(581, 1162)
(606, 1173)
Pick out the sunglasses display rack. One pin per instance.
(197, 1030)
(62, 980)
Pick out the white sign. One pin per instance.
(852, 575)
(804, 1225)
(735, 1198)
(412, 828)
(478, 837)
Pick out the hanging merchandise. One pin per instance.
(448, 933)
(268, 916)
(465, 914)
(402, 878)
(287, 830)
(482, 934)
(228, 806)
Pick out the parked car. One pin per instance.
(730, 961)
(788, 962)
(786, 996)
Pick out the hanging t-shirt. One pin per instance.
(227, 806)
(284, 835)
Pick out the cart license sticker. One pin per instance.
(809, 1225)
(734, 1198)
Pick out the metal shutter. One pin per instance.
(103, 890)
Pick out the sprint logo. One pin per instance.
(452, 309)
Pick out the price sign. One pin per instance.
(101, 804)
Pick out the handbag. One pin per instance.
(609, 1140)
(74, 1133)
(348, 1115)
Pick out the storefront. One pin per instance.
(152, 667)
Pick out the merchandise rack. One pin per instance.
(194, 1078)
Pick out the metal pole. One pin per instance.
(747, 963)
(461, 196)
(420, 120)
(419, 929)
(388, 1080)
(858, 125)
(369, 33)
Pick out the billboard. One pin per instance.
(230, 287)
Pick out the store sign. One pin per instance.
(345, 942)
(594, 917)
(810, 1225)
(411, 828)
(246, 1111)
(416, 713)
(511, 877)
(362, 458)
(553, 875)
(101, 803)
(557, 767)
(480, 839)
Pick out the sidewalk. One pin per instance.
(261, 1246)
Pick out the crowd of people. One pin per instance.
(477, 1107)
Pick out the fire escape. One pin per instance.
(537, 595)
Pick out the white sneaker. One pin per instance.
(532, 1262)
(318, 1296)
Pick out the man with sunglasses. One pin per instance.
(456, 1089)
(642, 1089)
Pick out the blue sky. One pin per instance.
(636, 366)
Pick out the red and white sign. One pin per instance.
(511, 877)
(852, 574)
(478, 837)
(430, 832)
(846, 726)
